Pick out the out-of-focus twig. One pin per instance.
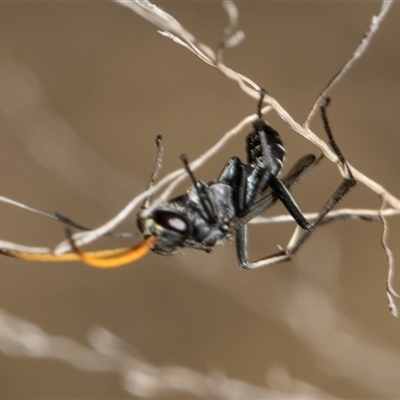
(20, 338)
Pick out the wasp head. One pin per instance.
(170, 227)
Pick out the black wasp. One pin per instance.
(214, 211)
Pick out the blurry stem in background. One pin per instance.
(20, 338)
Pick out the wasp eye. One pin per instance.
(172, 221)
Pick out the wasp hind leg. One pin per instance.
(299, 236)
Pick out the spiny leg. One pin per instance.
(301, 170)
(299, 236)
(73, 224)
(266, 154)
(290, 204)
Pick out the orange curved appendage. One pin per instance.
(115, 259)
(101, 259)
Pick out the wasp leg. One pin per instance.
(300, 237)
(242, 256)
(289, 202)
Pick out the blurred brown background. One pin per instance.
(84, 89)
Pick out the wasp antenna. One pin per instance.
(263, 92)
(156, 170)
(185, 161)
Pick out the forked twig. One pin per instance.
(390, 291)
(361, 48)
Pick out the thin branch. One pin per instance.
(335, 215)
(60, 218)
(359, 51)
(390, 291)
(25, 207)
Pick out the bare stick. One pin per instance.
(360, 50)
(390, 291)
